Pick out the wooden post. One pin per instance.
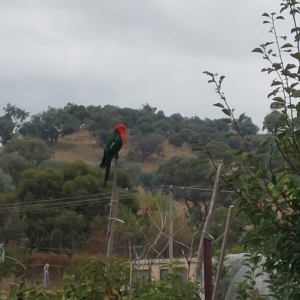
(113, 212)
(171, 204)
(222, 255)
(208, 282)
(207, 225)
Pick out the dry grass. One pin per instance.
(82, 145)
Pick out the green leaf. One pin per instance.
(294, 11)
(287, 45)
(266, 15)
(221, 79)
(296, 55)
(297, 37)
(295, 29)
(258, 50)
(277, 105)
(291, 106)
(296, 94)
(269, 70)
(226, 120)
(298, 108)
(268, 44)
(277, 66)
(219, 105)
(276, 83)
(266, 22)
(229, 134)
(274, 92)
(208, 73)
(289, 67)
(238, 152)
(280, 18)
(226, 112)
(279, 99)
(294, 84)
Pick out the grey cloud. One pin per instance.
(129, 52)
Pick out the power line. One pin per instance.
(57, 199)
(45, 205)
(80, 200)
(68, 198)
(195, 188)
(24, 208)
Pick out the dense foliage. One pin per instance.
(93, 281)
(266, 180)
(46, 204)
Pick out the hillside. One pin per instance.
(82, 145)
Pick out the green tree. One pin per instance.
(50, 125)
(192, 180)
(6, 183)
(16, 114)
(14, 227)
(11, 122)
(245, 125)
(32, 149)
(135, 171)
(176, 121)
(218, 150)
(185, 135)
(267, 193)
(75, 180)
(271, 120)
(60, 204)
(176, 140)
(236, 230)
(143, 146)
(60, 228)
(40, 184)
(103, 136)
(105, 118)
(6, 129)
(78, 112)
(14, 165)
(163, 127)
(129, 116)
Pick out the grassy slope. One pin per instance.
(81, 145)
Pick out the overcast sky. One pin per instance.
(127, 53)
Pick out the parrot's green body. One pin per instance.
(112, 149)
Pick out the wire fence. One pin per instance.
(47, 270)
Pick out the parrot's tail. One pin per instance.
(105, 164)
(107, 169)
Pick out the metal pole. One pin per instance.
(222, 255)
(207, 225)
(208, 282)
(113, 212)
(171, 204)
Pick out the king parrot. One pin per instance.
(112, 149)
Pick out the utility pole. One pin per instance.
(222, 255)
(113, 212)
(208, 282)
(171, 205)
(207, 225)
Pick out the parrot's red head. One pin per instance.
(122, 130)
